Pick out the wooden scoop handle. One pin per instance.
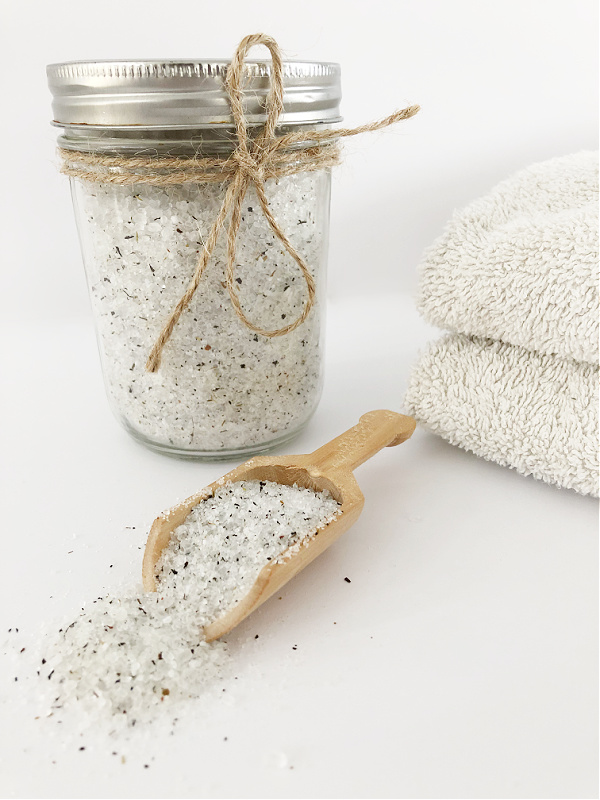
(375, 430)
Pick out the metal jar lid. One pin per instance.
(185, 94)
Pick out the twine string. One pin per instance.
(253, 161)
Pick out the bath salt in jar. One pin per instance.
(203, 212)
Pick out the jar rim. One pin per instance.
(183, 94)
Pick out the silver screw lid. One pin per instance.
(186, 94)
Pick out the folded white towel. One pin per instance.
(520, 264)
(533, 412)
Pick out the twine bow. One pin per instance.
(253, 161)
(250, 158)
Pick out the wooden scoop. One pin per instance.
(330, 467)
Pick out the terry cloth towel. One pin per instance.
(520, 264)
(514, 277)
(533, 412)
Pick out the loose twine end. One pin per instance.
(253, 162)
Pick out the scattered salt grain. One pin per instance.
(128, 658)
(277, 760)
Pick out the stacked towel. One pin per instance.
(514, 277)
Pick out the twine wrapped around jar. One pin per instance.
(254, 160)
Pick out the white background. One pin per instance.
(477, 586)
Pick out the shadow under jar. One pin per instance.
(222, 390)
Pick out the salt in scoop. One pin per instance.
(327, 469)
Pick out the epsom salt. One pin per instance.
(132, 657)
(215, 556)
(221, 388)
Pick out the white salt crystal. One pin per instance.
(277, 760)
(216, 554)
(221, 388)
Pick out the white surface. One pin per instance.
(478, 586)
(464, 659)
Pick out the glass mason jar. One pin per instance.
(222, 390)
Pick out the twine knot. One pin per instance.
(254, 160)
(250, 166)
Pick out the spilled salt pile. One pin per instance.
(128, 657)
